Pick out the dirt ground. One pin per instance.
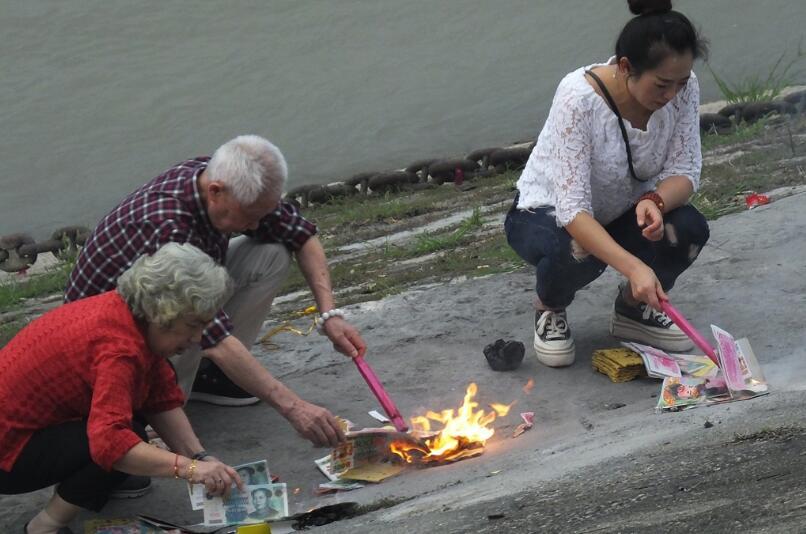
(585, 466)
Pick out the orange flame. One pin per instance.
(528, 387)
(464, 432)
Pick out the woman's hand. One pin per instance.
(650, 218)
(646, 287)
(217, 477)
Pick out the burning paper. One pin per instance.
(464, 432)
(374, 454)
(528, 387)
(528, 422)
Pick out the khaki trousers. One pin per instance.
(257, 270)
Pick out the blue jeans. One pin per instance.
(535, 236)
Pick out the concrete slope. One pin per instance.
(426, 344)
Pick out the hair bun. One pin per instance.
(646, 7)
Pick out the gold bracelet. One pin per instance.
(190, 470)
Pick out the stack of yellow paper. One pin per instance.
(620, 365)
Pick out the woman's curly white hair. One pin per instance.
(176, 281)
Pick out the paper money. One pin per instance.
(259, 503)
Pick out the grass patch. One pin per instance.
(363, 210)
(743, 133)
(373, 277)
(53, 281)
(426, 242)
(353, 219)
(758, 88)
(763, 166)
(9, 330)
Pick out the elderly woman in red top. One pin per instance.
(76, 383)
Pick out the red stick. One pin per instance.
(689, 330)
(377, 388)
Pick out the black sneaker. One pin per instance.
(133, 487)
(644, 324)
(554, 345)
(213, 386)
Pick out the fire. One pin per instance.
(528, 387)
(463, 434)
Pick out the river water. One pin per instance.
(97, 97)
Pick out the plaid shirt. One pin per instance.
(169, 209)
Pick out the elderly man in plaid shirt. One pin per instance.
(203, 201)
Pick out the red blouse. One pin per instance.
(84, 360)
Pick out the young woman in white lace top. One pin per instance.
(609, 180)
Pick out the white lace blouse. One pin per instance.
(580, 163)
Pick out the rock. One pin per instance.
(361, 180)
(420, 168)
(391, 181)
(798, 100)
(445, 170)
(730, 110)
(300, 194)
(509, 158)
(325, 193)
(716, 123)
(754, 111)
(504, 355)
(482, 156)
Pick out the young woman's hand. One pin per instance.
(217, 477)
(646, 287)
(650, 218)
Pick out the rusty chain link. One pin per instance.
(420, 174)
(19, 251)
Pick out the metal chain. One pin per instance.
(420, 174)
(19, 251)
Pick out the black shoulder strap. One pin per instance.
(613, 106)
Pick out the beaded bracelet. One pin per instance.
(655, 198)
(320, 321)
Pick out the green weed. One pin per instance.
(756, 88)
(50, 282)
(744, 132)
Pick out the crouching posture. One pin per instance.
(78, 385)
(609, 180)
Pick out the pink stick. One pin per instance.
(377, 388)
(689, 330)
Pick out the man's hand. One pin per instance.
(650, 218)
(345, 337)
(315, 423)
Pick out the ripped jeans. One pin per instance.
(535, 236)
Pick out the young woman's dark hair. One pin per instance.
(656, 32)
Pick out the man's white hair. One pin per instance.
(176, 281)
(249, 165)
